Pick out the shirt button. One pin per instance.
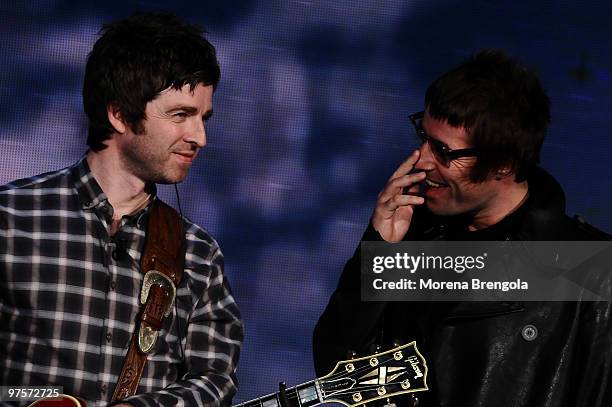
(113, 285)
(103, 388)
(529, 332)
(109, 336)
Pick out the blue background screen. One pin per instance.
(311, 118)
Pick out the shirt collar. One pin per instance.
(90, 193)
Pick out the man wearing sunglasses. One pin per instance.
(475, 177)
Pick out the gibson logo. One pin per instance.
(414, 362)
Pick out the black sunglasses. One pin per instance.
(441, 151)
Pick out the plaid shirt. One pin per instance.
(69, 296)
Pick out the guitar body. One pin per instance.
(63, 400)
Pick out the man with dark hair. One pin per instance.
(481, 133)
(72, 243)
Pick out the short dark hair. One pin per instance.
(503, 107)
(134, 60)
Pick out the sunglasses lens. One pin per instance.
(436, 147)
(438, 151)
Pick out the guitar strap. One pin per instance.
(162, 263)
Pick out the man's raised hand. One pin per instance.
(393, 211)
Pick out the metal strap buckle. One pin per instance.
(146, 335)
(156, 277)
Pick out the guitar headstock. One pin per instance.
(357, 381)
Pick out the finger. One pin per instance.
(408, 180)
(414, 189)
(397, 185)
(405, 200)
(407, 165)
(401, 200)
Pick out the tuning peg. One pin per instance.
(415, 400)
(351, 354)
(389, 403)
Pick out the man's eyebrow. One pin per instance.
(191, 110)
(434, 137)
(437, 140)
(184, 108)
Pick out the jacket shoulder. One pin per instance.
(585, 231)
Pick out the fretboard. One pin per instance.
(304, 395)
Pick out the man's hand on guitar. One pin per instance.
(394, 209)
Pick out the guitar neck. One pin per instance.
(303, 395)
(357, 381)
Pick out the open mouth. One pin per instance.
(433, 184)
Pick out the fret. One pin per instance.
(270, 401)
(308, 395)
(293, 399)
(304, 395)
(251, 403)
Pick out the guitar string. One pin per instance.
(364, 388)
(357, 371)
(372, 387)
(352, 373)
(296, 395)
(260, 402)
(322, 382)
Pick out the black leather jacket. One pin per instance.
(479, 353)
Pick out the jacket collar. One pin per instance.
(539, 218)
(545, 209)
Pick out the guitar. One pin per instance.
(62, 400)
(400, 370)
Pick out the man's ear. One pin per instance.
(115, 118)
(503, 172)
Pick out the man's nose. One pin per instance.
(197, 134)
(426, 158)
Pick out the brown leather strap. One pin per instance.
(164, 252)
